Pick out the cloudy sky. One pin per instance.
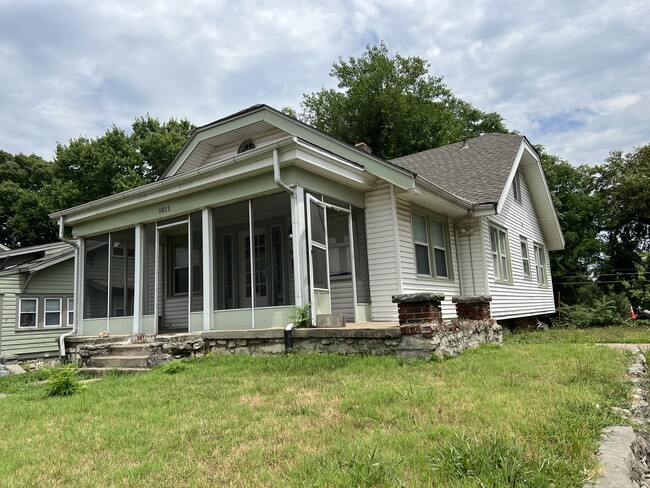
(573, 76)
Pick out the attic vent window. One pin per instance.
(247, 145)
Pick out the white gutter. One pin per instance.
(74, 287)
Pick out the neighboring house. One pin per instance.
(36, 299)
(331, 225)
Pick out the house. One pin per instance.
(259, 212)
(36, 299)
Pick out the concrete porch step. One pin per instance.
(131, 349)
(102, 371)
(119, 361)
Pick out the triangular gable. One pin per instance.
(259, 114)
(529, 161)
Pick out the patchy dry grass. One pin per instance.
(517, 415)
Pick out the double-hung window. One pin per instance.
(28, 312)
(500, 254)
(525, 259)
(540, 265)
(70, 311)
(52, 312)
(431, 241)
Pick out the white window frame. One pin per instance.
(430, 244)
(516, 187)
(500, 255)
(20, 313)
(70, 311)
(525, 257)
(46, 312)
(540, 265)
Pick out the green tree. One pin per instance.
(23, 207)
(117, 161)
(580, 211)
(624, 183)
(393, 105)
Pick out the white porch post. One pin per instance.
(80, 286)
(299, 233)
(138, 279)
(207, 234)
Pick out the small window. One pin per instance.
(247, 145)
(70, 311)
(516, 187)
(52, 312)
(500, 254)
(525, 260)
(28, 312)
(431, 245)
(540, 265)
(181, 269)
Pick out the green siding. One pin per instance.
(57, 280)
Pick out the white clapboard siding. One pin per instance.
(523, 297)
(342, 298)
(55, 282)
(383, 254)
(415, 284)
(470, 257)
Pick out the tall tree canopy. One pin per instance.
(394, 106)
(117, 161)
(83, 170)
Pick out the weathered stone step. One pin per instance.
(115, 361)
(131, 349)
(103, 371)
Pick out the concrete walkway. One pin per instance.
(627, 347)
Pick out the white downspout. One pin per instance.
(74, 287)
(276, 173)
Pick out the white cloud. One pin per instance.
(570, 75)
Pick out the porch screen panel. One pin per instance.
(271, 226)
(96, 277)
(122, 259)
(361, 255)
(149, 257)
(230, 228)
(196, 257)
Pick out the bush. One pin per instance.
(603, 311)
(63, 381)
(172, 367)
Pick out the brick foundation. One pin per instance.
(473, 307)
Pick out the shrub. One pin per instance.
(173, 367)
(63, 381)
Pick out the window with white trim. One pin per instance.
(431, 243)
(516, 187)
(540, 265)
(500, 254)
(28, 312)
(525, 257)
(52, 312)
(70, 309)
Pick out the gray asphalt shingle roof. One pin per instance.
(476, 170)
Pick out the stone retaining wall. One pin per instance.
(425, 342)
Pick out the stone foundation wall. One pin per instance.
(421, 342)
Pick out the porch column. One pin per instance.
(299, 240)
(79, 285)
(138, 279)
(207, 234)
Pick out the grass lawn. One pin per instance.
(517, 415)
(623, 335)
